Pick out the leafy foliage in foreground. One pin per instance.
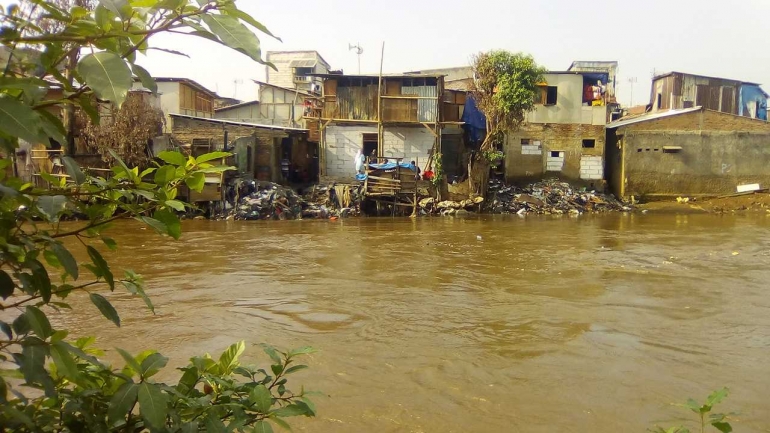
(74, 390)
(49, 383)
(706, 418)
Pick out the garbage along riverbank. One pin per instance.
(264, 201)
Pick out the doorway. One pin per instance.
(370, 145)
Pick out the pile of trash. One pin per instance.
(549, 197)
(266, 200)
(450, 208)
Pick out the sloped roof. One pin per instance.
(630, 120)
(230, 122)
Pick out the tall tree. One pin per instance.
(506, 86)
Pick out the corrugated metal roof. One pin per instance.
(651, 116)
(229, 122)
(667, 74)
(377, 76)
(242, 104)
(303, 63)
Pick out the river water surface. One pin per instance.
(471, 325)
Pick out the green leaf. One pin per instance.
(105, 308)
(111, 244)
(170, 221)
(153, 406)
(281, 423)
(102, 266)
(122, 402)
(298, 408)
(147, 81)
(243, 16)
(7, 285)
(272, 353)
(52, 205)
(65, 365)
(724, 427)
(130, 360)
(136, 289)
(153, 364)
(176, 205)
(262, 427)
(229, 358)
(42, 280)
(165, 174)
(717, 396)
(155, 224)
(196, 182)
(295, 369)
(6, 329)
(173, 157)
(32, 362)
(19, 120)
(73, 170)
(66, 259)
(693, 405)
(52, 126)
(234, 34)
(38, 322)
(214, 424)
(301, 351)
(261, 398)
(107, 74)
(21, 325)
(206, 157)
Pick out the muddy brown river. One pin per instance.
(594, 324)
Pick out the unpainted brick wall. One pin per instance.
(524, 162)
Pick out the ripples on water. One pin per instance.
(497, 324)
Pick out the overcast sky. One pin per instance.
(707, 37)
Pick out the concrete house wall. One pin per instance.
(693, 153)
(413, 143)
(284, 75)
(563, 140)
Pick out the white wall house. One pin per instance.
(182, 96)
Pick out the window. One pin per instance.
(550, 95)
(370, 145)
(303, 71)
(589, 144)
(525, 141)
(672, 149)
(556, 154)
(660, 101)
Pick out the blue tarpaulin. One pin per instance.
(387, 166)
(475, 121)
(753, 100)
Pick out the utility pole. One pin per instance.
(632, 81)
(359, 51)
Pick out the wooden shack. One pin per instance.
(391, 183)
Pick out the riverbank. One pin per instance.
(756, 202)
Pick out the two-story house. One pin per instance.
(564, 136)
(677, 90)
(396, 116)
(182, 96)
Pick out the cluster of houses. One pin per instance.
(697, 135)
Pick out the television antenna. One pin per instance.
(359, 51)
(236, 82)
(632, 81)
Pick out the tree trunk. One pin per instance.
(478, 175)
(69, 109)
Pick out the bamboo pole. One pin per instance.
(380, 127)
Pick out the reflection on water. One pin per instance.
(465, 325)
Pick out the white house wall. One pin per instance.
(344, 142)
